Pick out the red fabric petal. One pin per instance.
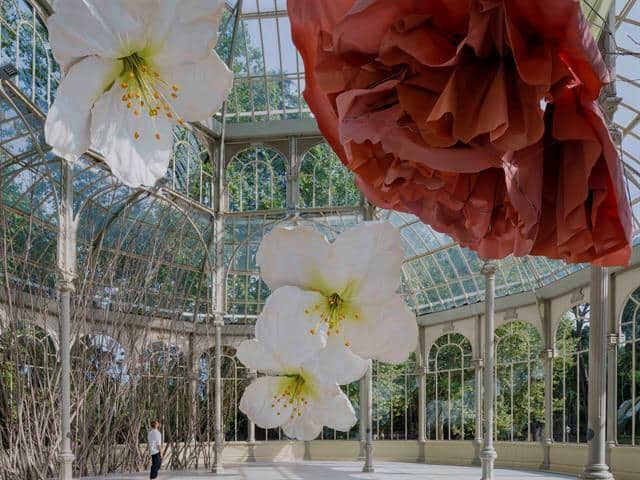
(439, 109)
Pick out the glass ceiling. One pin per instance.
(438, 274)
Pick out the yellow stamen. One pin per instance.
(136, 135)
(157, 136)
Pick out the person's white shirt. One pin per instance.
(155, 441)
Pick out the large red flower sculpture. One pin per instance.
(478, 116)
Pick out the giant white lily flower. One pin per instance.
(345, 290)
(134, 70)
(301, 392)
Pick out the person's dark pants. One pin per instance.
(156, 461)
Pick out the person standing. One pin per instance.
(154, 439)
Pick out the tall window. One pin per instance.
(395, 400)
(520, 392)
(257, 180)
(450, 389)
(24, 43)
(191, 171)
(165, 388)
(570, 375)
(629, 373)
(234, 381)
(325, 181)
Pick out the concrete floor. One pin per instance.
(342, 471)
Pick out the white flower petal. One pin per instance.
(111, 29)
(69, 118)
(387, 332)
(254, 355)
(285, 329)
(336, 364)
(334, 410)
(371, 254)
(293, 256)
(113, 128)
(204, 86)
(259, 405)
(302, 428)
(193, 34)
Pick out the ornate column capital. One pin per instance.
(489, 268)
(66, 283)
(548, 354)
(421, 370)
(218, 322)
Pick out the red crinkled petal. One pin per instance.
(478, 116)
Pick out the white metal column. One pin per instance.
(422, 394)
(596, 467)
(368, 460)
(547, 358)
(67, 238)
(488, 454)
(612, 372)
(362, 394)
(251, 427)
(218, 433)
(478, 364)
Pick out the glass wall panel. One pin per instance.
(520, 383)
(570, 375)
(629, 373)
(450, 389)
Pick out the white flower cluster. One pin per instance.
(334, 307)
(133, 71)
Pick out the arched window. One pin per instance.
(33, 352)
(450, 387)
(395, 400)
(24, 43)
(629, 372)
(570, 375)
(325, 181)
(257, 180)
(519, 374)
(191, 172)
(100, 355)
(234, 381)
(166, 391)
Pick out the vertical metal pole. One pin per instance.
(192, 378)
(488, 454)
(67, 274)
(219, 274)
(366, 384)
(363, 418)
(422, 394)
(218, 433)
(368, 461)
(547, 358)
(612, 372)
(596, 467)
(478, 365)
(251, 427)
